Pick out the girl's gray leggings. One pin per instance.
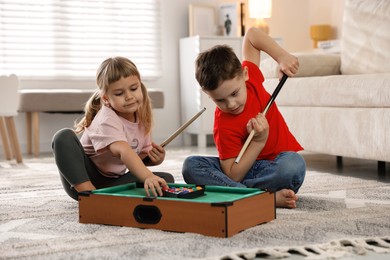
(75, 167)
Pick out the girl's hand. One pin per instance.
(157, 154)
(260, 125)
(288, 64)
(154, 184)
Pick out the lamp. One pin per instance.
(320, 32)
(260, 9)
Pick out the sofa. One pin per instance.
(339, 103)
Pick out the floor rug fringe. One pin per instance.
(332, 250)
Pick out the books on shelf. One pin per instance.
(331, 46)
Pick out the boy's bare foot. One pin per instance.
(286, 199)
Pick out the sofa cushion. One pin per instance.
(365, 90)
(68, 100)
(365, 41)
(310, 64)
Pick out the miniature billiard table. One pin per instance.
(217, 211)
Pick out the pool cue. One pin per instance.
(267, 107)
(184, 126)
(176, 133)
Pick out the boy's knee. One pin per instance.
(298, 171)
(295, 164)
(301, 167)
(191, 160)
(293, 170)
(190, 165)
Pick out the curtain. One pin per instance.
(69, 39)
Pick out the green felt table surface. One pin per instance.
(212, 194)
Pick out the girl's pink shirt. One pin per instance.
(106, 128)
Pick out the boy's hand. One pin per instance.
(260, 125)
(289, 65)
(154, 184)
(157, 154)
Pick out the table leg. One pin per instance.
(35, 130)
(13, 137)
(7, 152)
(29, 132)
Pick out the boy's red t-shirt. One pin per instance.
(230, 131)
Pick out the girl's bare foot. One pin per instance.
(84, 186)
(286, 199)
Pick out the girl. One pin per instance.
(117, 136)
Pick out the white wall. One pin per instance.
(291, 20)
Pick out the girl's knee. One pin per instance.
(63, 136)
(166, 176)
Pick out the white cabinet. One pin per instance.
(192, 97)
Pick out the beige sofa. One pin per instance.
(339, 104)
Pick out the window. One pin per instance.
(70, 39)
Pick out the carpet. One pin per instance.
(337, 216)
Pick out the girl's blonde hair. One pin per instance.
(110, 71)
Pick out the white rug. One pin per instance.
(336, 216)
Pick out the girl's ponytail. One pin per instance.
(91, 108)
(145, 112)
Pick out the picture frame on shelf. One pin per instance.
(202, 20)
(230, 19)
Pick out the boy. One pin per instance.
(271, 160)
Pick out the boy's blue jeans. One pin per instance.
(287, 171)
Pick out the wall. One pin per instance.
(291, 20)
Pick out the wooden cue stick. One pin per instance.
(184, 126)
(267, 107)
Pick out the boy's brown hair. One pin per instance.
(216, 65)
